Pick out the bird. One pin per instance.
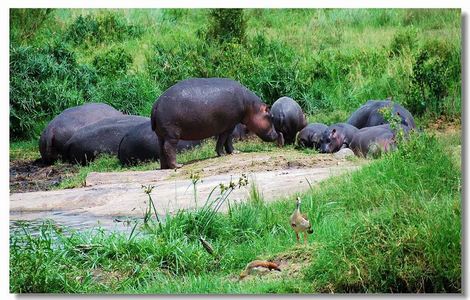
(300, 223)
(258, 267)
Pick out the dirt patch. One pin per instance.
(258, 162)
(291, 262)
(30, 176)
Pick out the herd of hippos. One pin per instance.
(200, 108)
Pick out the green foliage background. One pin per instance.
(329, 60)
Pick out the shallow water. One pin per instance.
(70, 222)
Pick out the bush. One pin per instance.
(403, 40)
(227, 25)
(131, 94)
(43, 82)
(436, 68)
(25, 22)
(108, 27)
(113, 62)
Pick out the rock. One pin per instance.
(344, 153)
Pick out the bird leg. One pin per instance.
(297, 236)
(305, 238)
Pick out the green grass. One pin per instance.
(393, 226)
(24, 150)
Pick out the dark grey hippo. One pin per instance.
(337, 136)
(310, 136)
(100, 137)
(369, 114)
(241, 133)
(140, 144)
(199, 108)
(288, 118)
(63, 126)
(372, 141)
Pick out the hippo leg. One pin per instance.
(163, 157)
(223, 137)
(169, 150)
(229, 144)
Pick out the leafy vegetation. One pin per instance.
(329, 60)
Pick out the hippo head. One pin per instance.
(260, 121)
(331, 141)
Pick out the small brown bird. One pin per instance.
(259, 266)
(300, 223)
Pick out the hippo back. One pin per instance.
(100, 137)
(288, 118)
(369, 114)
(373, 140)
(63, 126)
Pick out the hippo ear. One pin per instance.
(333, 132)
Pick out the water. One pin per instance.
(69, 222)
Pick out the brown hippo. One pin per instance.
(370, 114)
(199, 108)
(141, 144)
(310, 136)
(63, 126)
(337, 136)
(100, 137)
(288, 118)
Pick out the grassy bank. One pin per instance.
(393, 226)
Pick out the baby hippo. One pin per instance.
(337, 136)
(288, 118)
(241, 133)
(310, 136)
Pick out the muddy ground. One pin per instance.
(33, 175)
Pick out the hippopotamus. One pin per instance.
(288, 118)
(63, 126)
(310, 136)
(199, 108)
(100, 137)
(372, 141)
(337, 136)
(370, 114)
(140, 143)
(241, 133)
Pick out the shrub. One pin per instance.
(113, 62)
(131, 94)
(437, 66)
(25, 22)
(227, 25)
(103, 28)
(403, 40)
(43, 82)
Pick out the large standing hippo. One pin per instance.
(288, 118)
(310, 136)
(370, 114)
(337, 136)
(140, 143)
(63, 126)
(100, 137)
(199, 108)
